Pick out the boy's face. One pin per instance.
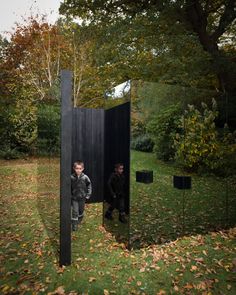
(120, 169)
(79, 169)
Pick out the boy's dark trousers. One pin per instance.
(77, 211)
(119, 203)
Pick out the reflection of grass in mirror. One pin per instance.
(160, 212)
(48, 186)
(119, 230)
(48, 175)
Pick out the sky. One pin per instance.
(12, 11)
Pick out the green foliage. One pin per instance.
(143, 143)
(163, 128)
(171, 24)
(137, 126)
(18, 127)
(22, 120)
(10, 154)
(200, 147)
(228, 148)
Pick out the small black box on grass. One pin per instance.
(182, 182)
(144, 176)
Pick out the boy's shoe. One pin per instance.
(74, 227)
(108, 216)
(122, 218)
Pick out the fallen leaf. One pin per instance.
(193, 268)
(59, 291)
(130, 279)
(200, 259)
(92, 279)
(188, 286)
(161, 292)
(176, 288)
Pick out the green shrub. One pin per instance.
(200, 147)
(142, 143)
(10, 154)
(22, 126)
(228, 149)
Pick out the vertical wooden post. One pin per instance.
(65, 168)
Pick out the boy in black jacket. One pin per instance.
(116, 187)
(81, 190)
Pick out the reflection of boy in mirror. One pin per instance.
(116, 186)
(81, 190)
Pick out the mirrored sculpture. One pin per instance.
(158, 158)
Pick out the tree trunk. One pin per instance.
(197, 17)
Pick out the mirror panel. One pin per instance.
(48, 164)
(155, 206)
(117, 151)
(178, 136)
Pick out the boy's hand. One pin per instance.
(87, 197)
(114, 196)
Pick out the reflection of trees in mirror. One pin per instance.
(48, 127)
(159, 114)
(119, 91)
(203, 146)
(156, 108)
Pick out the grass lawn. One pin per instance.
(29, 242)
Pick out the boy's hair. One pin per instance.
(117, 165)
(78, 163)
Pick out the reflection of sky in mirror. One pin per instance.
(119, 91)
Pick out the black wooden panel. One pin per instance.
(88, 146)
(65, 184)
(117, 144)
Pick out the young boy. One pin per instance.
(81, 190)
(116, 187)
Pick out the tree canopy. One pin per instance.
(211, 21)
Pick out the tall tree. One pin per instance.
(36, 53)
(18, 113)
(209, 20)
(87, 83)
